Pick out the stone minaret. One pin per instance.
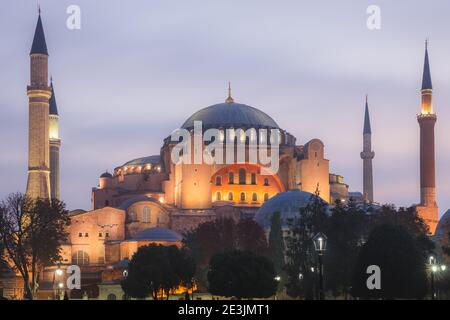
(39, 93)
(427, 208)
(55, 144)
(367, 155)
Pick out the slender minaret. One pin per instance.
(367, 155)
(39, 93)
(55, 144)
(427, 209)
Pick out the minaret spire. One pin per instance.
(427, 209)
(367, 128)
(39, 45)
(367, 155)
(229, 98)
(53, 106)
(426, 78)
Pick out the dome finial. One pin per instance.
(229, 99)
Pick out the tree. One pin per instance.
(301, 256)
(250, 236)
(446, 249)
(402, 265)
(345, 232)
(183, 266)
(241, 274)
(222, 235)
(276, 246)
(157, 270)
(31, 232)
(408, 218)
(276, 243)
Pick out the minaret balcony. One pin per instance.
(367, 155)
(427, 116)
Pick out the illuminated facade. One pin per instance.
(152, 199)
(427, 208)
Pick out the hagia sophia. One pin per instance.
(153, 200)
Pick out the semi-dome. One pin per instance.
(145, 160)
(231, 115)
(158, 234)
(140, 198)
(287, 203)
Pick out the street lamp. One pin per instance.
(125, 275)
(320, 245)
(57, 276)
(277, 279)
(435, 268)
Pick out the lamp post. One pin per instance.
(320, 245)
(57, 276)
(277, 279)
(434, 269)
(125, 275)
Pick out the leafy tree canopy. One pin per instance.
(242, 274)
(157, 270)
(402, 265)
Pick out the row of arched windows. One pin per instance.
(242, 196)
(242, 178)
(146, 216)
(80, 258)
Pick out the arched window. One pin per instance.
(80, 258)
(242, 175)
(242, 196)
(218, 196)
(230, 196)
(231, 178)
(218, 181)
(132, 216)
(266, 196)
(253, 178)
(111, 296)
(146, 216)
(266, 182)
(254, 197)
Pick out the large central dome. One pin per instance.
(231, 115)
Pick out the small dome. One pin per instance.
(158, 234)
(231, 115)
(128, 203)
(443, 228)
(106, 175)
(286, 203)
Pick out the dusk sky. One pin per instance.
(137, 69)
